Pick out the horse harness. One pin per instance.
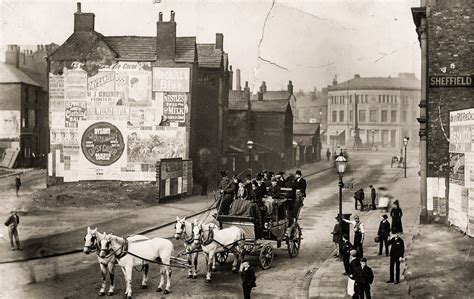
(190, 240)
(210, 239)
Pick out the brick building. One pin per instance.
(24, 106)
(386, 111)
(312, 107)
(446, 155)
(146, 92)
(308, 142)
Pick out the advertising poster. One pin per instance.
(74, 111)
(66, 137)
(75, 85)
(56, 93)
(138, 89)
(9, 124)
(168, 79)
(105, 112)
(103, 81)
(469, 170)
(105, 98)
(156, 143)
(461, 124)
(456, 166)
(102, 150)
(175, 107)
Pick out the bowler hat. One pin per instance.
(223, 173)
(298, 172)
(281, 173)
(363, 260)
(384, 216)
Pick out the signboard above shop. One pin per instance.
(452, 81)
(171, 79)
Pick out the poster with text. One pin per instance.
(175, 107)
(138, 89)
(75, 111)
(461, 125)
(103, 81)
(456, 168)
(169, 79)
(56, 93)
(9, 124)
(75, 85)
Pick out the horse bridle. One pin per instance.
(93, 242)
(183, 231)
(200, 236)
(123, 248)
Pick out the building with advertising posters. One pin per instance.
(120, 104)
(446, 112)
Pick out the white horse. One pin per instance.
(107, 264)
(213, 241)
(184, 229)
(130, 253)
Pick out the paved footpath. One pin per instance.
(328, 281)
(137, 222)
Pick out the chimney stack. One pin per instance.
(12, 55)
(263, 87)
(231, 78)
(334, 81)
(166, 38)
(259, 96)
(219, 41)
(357, 76)
(83, 22)
(237, 79)
(290, 87)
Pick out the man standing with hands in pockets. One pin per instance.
(396, 256)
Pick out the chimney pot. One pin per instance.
(263, 87)
(334, 81)
(172, 16)
(160, 17)
(259, 96)
(290, 87)
(166, 39)
(237, 80)
(357, 76)
(78, 7)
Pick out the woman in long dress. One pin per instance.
(396, 214)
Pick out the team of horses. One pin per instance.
(138, 252)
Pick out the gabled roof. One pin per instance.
(10, 74)
(186, 49)
(270, 106)
(305, 128)
(78, 46)
(273, 95)
(405, 82)
(209, 56)
(238, 100)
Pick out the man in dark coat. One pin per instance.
(262, 188)
(248, 183)
(359, 197)
(373, 196)
(328, 154)
(281, 179)
(12, 224)
(363, 279)
(17, 184)
(397, 251)
(300, 183)
(248, 279)
(346, 253)
(227, 191)
(383, 233)
(354, 270)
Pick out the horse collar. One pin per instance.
(190, 240)
(210, 237)
(124, 248)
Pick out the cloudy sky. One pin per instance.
(308, 42)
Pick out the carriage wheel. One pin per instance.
(266, 256)
(294, 240)
(221, 257)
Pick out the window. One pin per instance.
(366, 98)
(31, 119)
(350, 115)
(361, 115)
(27, 96)
(396, 99)
(36, 96)
(384, 116)
(334, 116)
(341, 116)
(321, 111)
(404, 116)
(380, 99)
(350, 99)
(393, 116)
(373, 115)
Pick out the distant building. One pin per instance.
(446, 119)
(386, 111)
(276, 95)
(24, 107)
(312, 107)
(308, 142)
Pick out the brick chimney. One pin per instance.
(263, 87)
(83, 22)
(259, 96)
(356, 76)
(231, 78)
(166, 38)
(334, 81)
(12, 55)
(247, 89)
(237, 80)
(290, 87)
(219, 41)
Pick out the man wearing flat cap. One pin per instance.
(363, 279)
(248, 278)
(383, 233)
(227, 192)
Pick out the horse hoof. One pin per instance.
(110, 293)
(143, 286)
(190, 276)
(159, 290)
(166, 292)
(195, 276)
(213, 270)
(101, 294)
(208, 280)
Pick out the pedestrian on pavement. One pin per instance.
(359, 197)
(359, 235)
(204, 183)
(248, 279)
(328, 154)
(396, 214)
(397, 251)
(346, 253)
(17, 183)
(12, 223)
(336, 236)
(364, 279)
(383, 233)
(227, 191)
(354, 269)
(373, 196)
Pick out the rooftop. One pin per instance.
(270, 106)
(238, 100)
(305, 128)
(10, 74)
(405, 81)
(209, 56)
(273, 95)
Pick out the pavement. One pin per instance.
(328, 281)
(136, 222)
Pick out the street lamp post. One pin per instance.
(405, 143)
(341, 167)
(250, 147)
(373, 132)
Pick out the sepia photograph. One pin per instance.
(236, 149)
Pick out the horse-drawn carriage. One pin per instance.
(262, 225)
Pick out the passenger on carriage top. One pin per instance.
(280, 179)
(261, 185)
(257, 194)
(274, 191)
(248, 183)
(242, 192)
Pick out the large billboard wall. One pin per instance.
(116, 124)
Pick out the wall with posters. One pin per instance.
(114, 124)
(461, 170)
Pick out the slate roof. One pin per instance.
(305, 128)
(186, 49)
(273, 95)
(406, 82)
(270, 106)
(208, 56)
(10, 74)
(238, 100)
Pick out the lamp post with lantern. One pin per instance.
(405, 143)
(250, 147)
(340, 167)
